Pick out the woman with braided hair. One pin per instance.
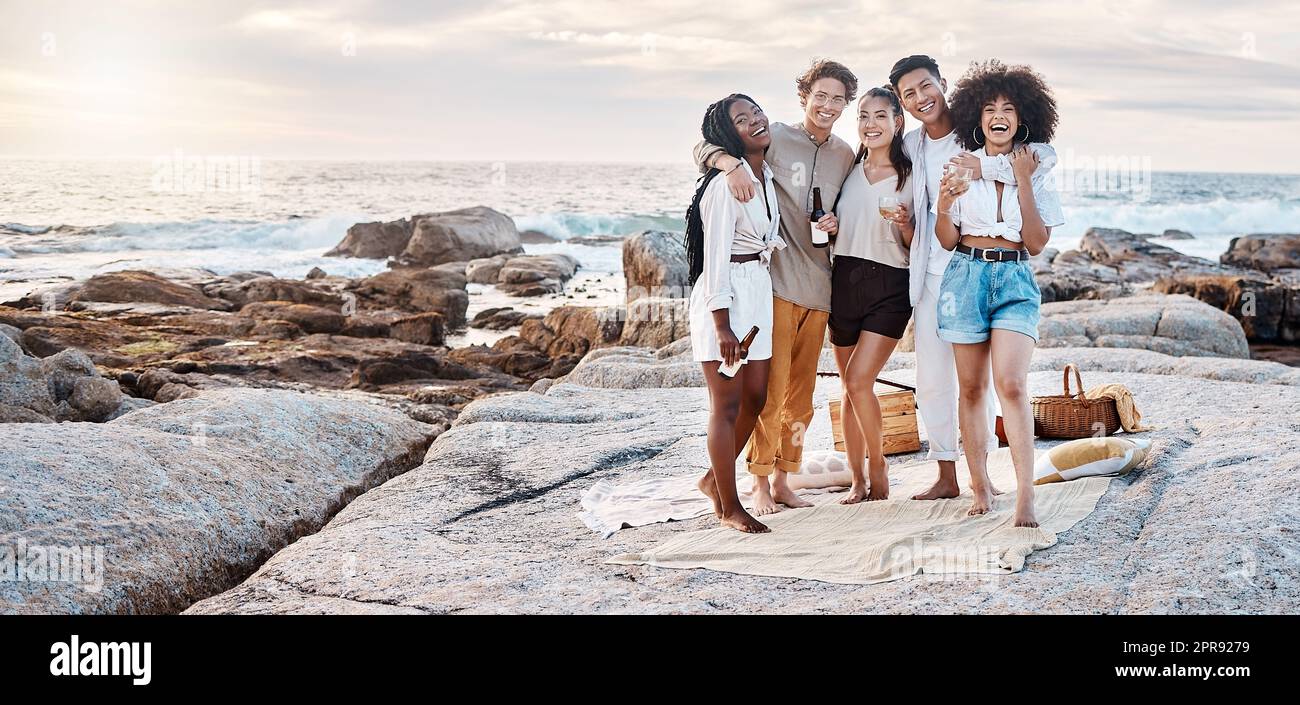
(729, 246)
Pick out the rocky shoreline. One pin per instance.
(489, 522)
(329, 386)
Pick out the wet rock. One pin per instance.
(1264, 252)
(460, 235)
(417, 290)
(374, 240)
(421, 329)
(312, 319)
(135, 286)
(501, 318)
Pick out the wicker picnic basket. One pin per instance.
(1072, 415)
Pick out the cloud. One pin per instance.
(574, 79)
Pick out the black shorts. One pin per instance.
(867, 295)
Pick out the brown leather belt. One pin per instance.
(745, 258)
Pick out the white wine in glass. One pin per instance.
(888, 207)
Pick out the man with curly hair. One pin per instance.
(931, 147)
(802, 157)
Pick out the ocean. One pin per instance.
(64, 219)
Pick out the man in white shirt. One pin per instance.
(931, 147)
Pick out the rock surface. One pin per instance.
(433, 238)
(1170, 324)
(133, 286)
(654, 264)
(535, 275)
(1265, 252)
(1268, 309)
(1174, 325)
(523, 275)
(62, 387)
(653, 322)
(489, 522)
(186, 499)
(501, 318)
(573, 330)
(417, 290)
(374, 240)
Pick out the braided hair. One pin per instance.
(898, 158)
(718, 130)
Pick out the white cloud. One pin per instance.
(570, 78)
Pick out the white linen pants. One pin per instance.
(936, 379)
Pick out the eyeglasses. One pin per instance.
(821, 98)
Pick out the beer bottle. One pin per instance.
(730, 371)
(819, 237)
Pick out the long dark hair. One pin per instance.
(897, 158)
(717, 130)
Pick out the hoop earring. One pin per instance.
(974, 135)
(1024, 139)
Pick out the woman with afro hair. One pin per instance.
(989, 301)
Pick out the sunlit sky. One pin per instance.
(1192, 84)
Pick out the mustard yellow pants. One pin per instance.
(798, 334)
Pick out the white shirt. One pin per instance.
(937, 154)
(735, 228)
(927, 256)
(976, 211)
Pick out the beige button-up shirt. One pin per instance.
(801, 273)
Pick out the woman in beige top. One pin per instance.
(869, 281)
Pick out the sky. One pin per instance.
(1189, 84)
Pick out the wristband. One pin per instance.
(728, 172)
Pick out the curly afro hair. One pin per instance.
(1024, 87)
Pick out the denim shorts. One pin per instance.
(977, 296)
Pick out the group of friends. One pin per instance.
(935, 226)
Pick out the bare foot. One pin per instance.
(710, 490)
(1025, 514)
(941, 489)
(879, 478)
(1028, 520)
(983, 502)
(742, 521)
(762, 497)
(857, 493)
(994, 490)
(784, 495)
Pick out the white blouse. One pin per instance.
(976, 211)
(735, 228)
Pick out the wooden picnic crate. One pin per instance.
(898, 418)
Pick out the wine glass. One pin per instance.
(888, 207)
(963, 174)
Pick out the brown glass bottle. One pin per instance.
(819, 237)
(730, 371)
